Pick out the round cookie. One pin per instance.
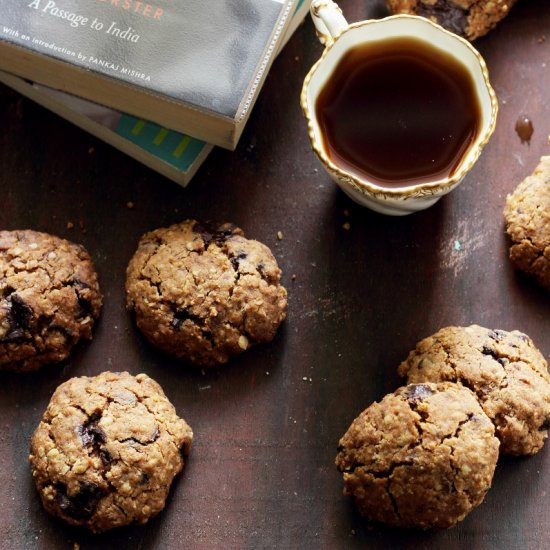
(203, 292)
(527, 215)
(423, 457)
(49, 298)
(505, 370)
(107, 450)
(468, 18)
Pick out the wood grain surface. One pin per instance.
(261, 473)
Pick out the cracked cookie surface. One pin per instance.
(468, 18)
(527, 216)
(203, 292)
(423, 457)
(107, 450)
(49, 298)
(504, 369)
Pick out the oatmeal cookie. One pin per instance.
(203, 292)
(505, 370)
(423, 457)
(107, 450)
(527, 215)
(49, 299)
(468, 18)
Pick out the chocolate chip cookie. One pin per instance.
(527, 215)
(505, 370)
(49, 299)
(107, 450)
(423, 457)
(203, 292)
(468, 18)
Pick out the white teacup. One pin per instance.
(339, 38)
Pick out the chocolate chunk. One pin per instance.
(79, 284)
(182, 315)
(486, 350)
(91, 434)
(261, 270)
(6, 291)
(236, 260)
(144, 479)
(19, 317)
(453, 18)
(14, 335)
(84, 307)
(20, 311)
(211, 232)
(105, 457)
(82, 505)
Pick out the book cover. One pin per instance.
(175, 155)
(192, 66)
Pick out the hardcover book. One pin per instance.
(175, 155)
(195, 66)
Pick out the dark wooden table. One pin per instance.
(261, 473)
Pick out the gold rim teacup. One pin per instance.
(339, 37)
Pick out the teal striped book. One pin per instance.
(178, 150)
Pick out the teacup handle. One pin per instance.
(328, 20)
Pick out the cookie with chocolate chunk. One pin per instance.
(49, 299)
(423, 457)
(107, 450)
(504, 369)
(468, 18)
(527, 215)
(204, 292)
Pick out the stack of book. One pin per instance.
(163, 81)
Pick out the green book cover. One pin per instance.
(179, 150)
